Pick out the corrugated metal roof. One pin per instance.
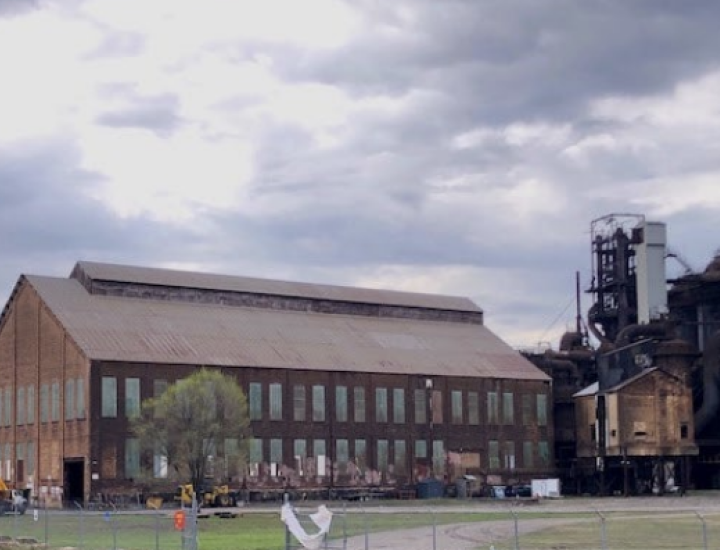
(137, 330)
(188, 279)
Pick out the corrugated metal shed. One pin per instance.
(187, 279)
(138, 330)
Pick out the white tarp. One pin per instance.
(322, 519)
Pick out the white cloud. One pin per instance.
(169, 179)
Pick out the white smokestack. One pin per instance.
(650, 272)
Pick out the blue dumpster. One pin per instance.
(430, 488)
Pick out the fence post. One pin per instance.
(114, 527)
(367, 531)
(603, 533)
(286, 500)
(434, 525)
(47, 526)
(516, 529)
(157, 529)
(704, 529)
(344, 525)
(81, 526)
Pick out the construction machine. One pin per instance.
(13, 501)
(212, 497)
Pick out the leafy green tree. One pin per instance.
(197, 424)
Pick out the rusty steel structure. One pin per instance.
(639, 410)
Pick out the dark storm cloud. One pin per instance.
(503, 61)
(155, 113)
(10, 8)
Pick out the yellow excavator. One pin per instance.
(213, 497)
(13, 501)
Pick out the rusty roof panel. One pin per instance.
(209, 281)
(137, 330)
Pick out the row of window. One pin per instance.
(311, 456)
(25, 403)
(109, 396)
(24, 459)
(390, 405)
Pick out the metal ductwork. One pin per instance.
(711, 384)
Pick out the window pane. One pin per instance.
(542, 409)
(255, 397)
(420, 448)
(380, 404)
(473, 408)
(320, 454)
(276, 454)
(20, 459)
(400, 457)
(527, 410)
(544, 453)
(275, 401)
(493, 455)
(359, 394)
(132, 457)
(438, 457)
(255, 451)
(30, 459)
(457, 409)
(20, 402)
(342, 452)
(69, 399)
(508, 409)
(31, 405)
(109, 397)
(44, 403)
(299, 403)
(80, 397)
(437, 407)
(360, 453)
(8, 407)
(492, 407)
(160, 386)
(399, 406)
(420, 406)
(318, 403)
(527, 454)
(132, 397)
(382, 455)
(341, 403)
(510, 455)
(160, 464)
(55, 401)
(300, 448)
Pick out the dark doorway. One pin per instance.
(74, 475)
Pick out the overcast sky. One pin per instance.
(444, 146)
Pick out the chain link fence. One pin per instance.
(423, 528)
(96, 529)
(370, 526)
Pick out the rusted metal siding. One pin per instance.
(649, 415)
(122, 329)
(95, 274)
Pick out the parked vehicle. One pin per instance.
(13, 501)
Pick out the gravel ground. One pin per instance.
(482, 535)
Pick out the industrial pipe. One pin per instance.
(711, 383)
(631, 332)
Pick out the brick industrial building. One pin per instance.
(347, 387)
